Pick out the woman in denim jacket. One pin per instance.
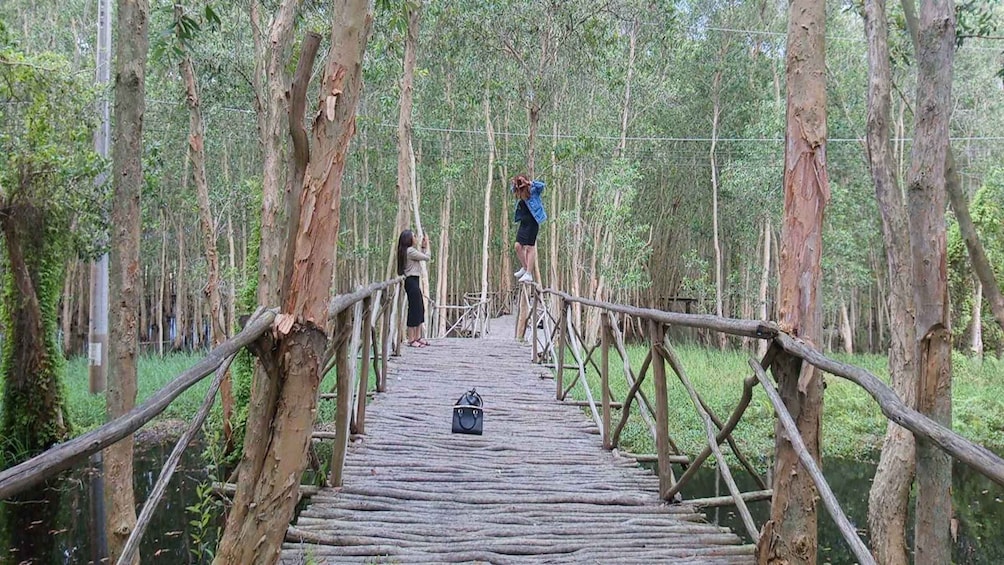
(529, 214)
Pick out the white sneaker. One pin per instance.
(526, 278)
(520, 272)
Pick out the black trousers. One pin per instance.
(416, 306)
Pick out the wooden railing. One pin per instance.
(355, 324)
(554, 335)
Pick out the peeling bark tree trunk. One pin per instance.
(790, 535)
(926, 206)
(890, 491)
(124, 269)
(196, 145)
(269, 483)
(270, 102)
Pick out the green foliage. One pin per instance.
(179, 36)
(613, 205)
(205, 530)
(50, 207)
(987, 212)
(852, 424)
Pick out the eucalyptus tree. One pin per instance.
(790, 535)
(124, 263)
(50, 208)
(269, 480)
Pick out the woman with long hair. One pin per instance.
(529, 214)
(409, 264)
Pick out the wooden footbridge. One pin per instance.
(536, 487)
(546, 482)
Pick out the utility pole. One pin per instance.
(97, 351)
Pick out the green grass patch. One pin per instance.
(853, 425)
(87, 411)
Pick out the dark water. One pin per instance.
(53, 524)
(977, 501)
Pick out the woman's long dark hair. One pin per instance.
(406, 240)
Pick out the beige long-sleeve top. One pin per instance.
(413, 267)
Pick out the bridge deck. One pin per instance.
(537, 487)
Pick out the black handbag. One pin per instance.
(468, 415)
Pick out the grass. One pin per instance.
(87, 411)
(852, 426)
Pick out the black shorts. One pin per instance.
(527, 233)
(416, 306)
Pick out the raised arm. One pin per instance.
(537, 187)
(416, 255)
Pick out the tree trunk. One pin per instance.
(926, 206)
(716, 83)
(764, 282)
(976, 340)
(846, 334)
(162, 285)
(34, 415)
(270, 102)
(124, 265)
(790, 535)
(405, 151)
(554, 281)
(283, 415)
(486, 227)
(180, 293)
(196, 146)
(65, 317)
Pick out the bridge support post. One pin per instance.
(559, 390)
(656, 333)
(364, 371)
(387, 315)
(343, 410)
(535, 320)
(605, 339)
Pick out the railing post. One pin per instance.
(655, 333)
(401, 313)
(364, 371)
(559, 391)
(385, 320)
(343, 410)
(605, 339)
(535, 321)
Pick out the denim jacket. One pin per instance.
(534, 203)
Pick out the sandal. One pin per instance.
(416, 343)
(423, 342)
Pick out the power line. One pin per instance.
(669, 139)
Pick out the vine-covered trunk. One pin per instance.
(34, 417)
(790, 535)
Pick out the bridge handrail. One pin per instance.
(64, 455)
(976, 456)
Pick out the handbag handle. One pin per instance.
(470, 398)
(474, 418)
